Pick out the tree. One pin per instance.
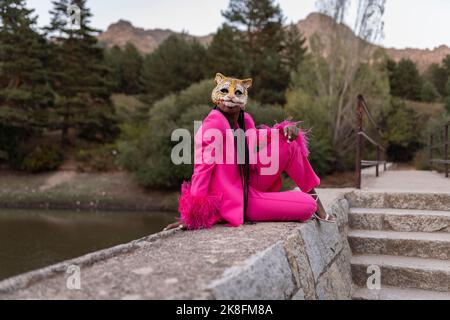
(145, 149)
(131, 70)
(295, 46)
(447, 97)
(226, 54)
(173, 66)
(309, 100)
(402, 131)
(438, 76)
(406, 81)
(24, 91)
(269, 49)
(429, 92)
(340, 79)
(125, 68)
(113, 61)
(79, 74)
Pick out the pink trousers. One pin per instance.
(264, 204)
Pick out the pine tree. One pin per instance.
(226, 54)
(125, 68)
(429, 92)
(173, 66)
(113, 61)
(405, 80)
(447, 97)
(24, 91)
(271, 50)
(438, 76)
(79, 74)
(131, 70)
(295, 49)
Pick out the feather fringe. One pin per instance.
(302, 138)
(198, 212)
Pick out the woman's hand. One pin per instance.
(175, 225)
(291, 132)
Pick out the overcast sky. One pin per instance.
(409, 23)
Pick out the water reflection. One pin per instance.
(31, 239)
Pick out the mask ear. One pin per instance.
(247, 83)
(219, 78)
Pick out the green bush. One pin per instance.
(403, 127)
(100, 159)
(42, 158)
(145, 149)
(421, 160)
(429, 92)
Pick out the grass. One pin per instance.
(105, 191)
(425, 108)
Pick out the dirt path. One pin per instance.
(57, 178)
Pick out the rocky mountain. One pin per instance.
(321, 24)
(122, 32)
(146, 41)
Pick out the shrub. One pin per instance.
(42, 158)
(403, 128)
(421, 160)
(145, 149)
(99, 159)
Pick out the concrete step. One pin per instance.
(403, 272)
(408, 244)
(399, 220)
(394, 293)
(399, 200)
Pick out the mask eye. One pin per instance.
(224, 90)
(238, 92)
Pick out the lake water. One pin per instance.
(32, 239)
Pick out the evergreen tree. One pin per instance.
(447, 97)
(79, 74)
(438, 76)
(113, 61)
(225, 54)
(295, 49)
(405, 80)
(125, 68)
(173, 66)
(131, 70)
(428, 92)
(24, 91)
(270, 49)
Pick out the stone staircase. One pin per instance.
(408, 237)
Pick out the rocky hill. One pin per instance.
(146, 41)
(122, 32)
(318, 23)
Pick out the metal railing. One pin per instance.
(362, 109)
(440, 144)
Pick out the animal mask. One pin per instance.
(230, 92)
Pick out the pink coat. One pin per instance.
(215, 193)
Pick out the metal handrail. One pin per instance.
(360, 134)
(444, 144)
(369, 115)
(371, 140)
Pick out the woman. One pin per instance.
(234, 192)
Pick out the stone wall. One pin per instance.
(255, 261)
